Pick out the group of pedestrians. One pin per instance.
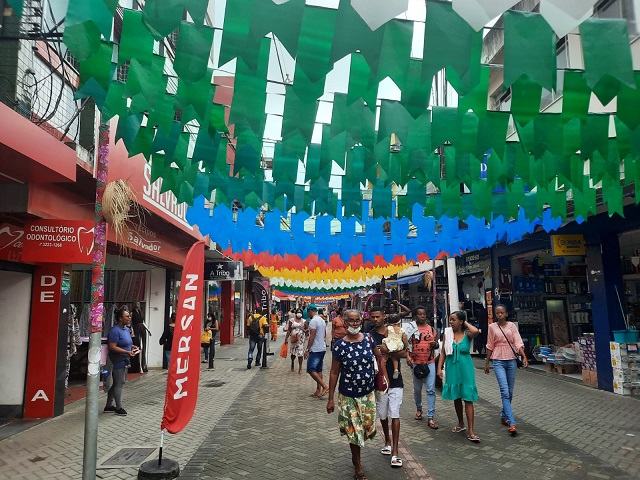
(356, 354)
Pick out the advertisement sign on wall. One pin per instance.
(58, 241)
(567, 245)
(223, 270)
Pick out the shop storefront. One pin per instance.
(426, 286)
(547, 292)
(575, 288)
(473, 272)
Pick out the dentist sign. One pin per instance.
(58, 241)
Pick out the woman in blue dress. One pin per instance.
(460, 378)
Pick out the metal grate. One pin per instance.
(126, 457)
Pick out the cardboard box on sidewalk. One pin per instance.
(590, 378)
(586, 377)
(565, 368)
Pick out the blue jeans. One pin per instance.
(505, 371)
(315, 362)
(430, 386)
(253, 341)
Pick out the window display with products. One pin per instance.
(551, 298)
(630, 264)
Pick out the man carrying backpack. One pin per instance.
(258, 326)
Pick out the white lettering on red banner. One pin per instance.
(40, 395)
(65, 241)
(167, 201)
(184, 368)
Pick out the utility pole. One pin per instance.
(89, 458)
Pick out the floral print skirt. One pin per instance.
(357, 418)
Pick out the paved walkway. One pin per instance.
(262, 424)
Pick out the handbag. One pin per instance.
(205, 337)
(380, 382)
(519, 362)
(284, 350)
(421, 370)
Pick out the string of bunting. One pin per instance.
(386, 167)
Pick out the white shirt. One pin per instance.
(317, 324)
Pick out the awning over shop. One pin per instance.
(405, 280)
(30, 155)
(282, 297)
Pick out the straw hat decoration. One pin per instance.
(117, 202)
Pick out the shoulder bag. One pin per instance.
(519, 361)
(380, 383)
(421, 370)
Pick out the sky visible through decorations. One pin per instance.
(347, 153)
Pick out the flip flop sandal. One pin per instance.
(386, 450)
(396, 462)
(458, 429)
(360, 476)
(473, 438)
(432, 424)
(419, 415)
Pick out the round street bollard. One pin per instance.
(151, 470)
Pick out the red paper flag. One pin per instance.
(184, 366)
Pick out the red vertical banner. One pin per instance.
(227, 321)
(43, 345)
(183, 376)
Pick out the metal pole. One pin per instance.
(241, 318)
(89, 458)
(452, 277)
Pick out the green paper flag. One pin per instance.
(395, 53)
(361, 83)
(161, 16)
(607, 64)
(353, 34)
(192, 52)
(575, 96)
(250, 93)
(530, 33)
(416, 92)
(525, 100)
(96, 73)
(381, 201)
(314, 45)
(237, 41)
(629, 103)
(449, 41)
(285, 167)
(135, 40)
(283, 20)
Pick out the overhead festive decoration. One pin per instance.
(274, 153)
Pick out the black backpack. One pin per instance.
(254, 328)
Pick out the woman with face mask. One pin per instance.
(296, 334)
(353, 359)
